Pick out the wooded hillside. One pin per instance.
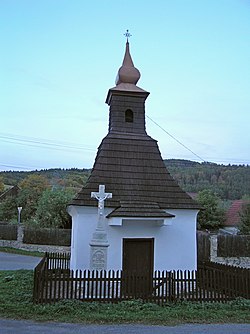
(57, 177)
(229, 182)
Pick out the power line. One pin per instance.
(19, 167)
(169, 134)
(43, 146)
(39, 142)
(67, 146)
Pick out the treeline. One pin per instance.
(228, 182)
(57, 177)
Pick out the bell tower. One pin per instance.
(126, 100)
(128, 161)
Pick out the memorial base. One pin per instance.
(98, 257)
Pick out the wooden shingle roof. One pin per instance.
(139, 210)
(131, 168)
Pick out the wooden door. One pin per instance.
(138, 257)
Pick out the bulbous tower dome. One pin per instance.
(127, 73)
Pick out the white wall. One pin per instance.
(174, 246)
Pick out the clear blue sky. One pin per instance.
(58, 59)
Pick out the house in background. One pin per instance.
(232, 221)
(10, 192)
(144, 221)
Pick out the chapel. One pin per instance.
(148, 219)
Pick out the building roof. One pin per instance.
(233, 213)
(128, 161)
(127, 77)
(11, 192)
(139, 210)
(131, 168)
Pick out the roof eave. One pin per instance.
(125, 89)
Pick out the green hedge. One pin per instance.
(8, 232)
(47, 236)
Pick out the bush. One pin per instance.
(245, 220)
(212, 216)
(52, 209)
(8, 209)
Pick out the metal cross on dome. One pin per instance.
(127, 34)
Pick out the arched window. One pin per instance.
(129, 116)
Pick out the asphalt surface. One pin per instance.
(24, 327)
(10, 261)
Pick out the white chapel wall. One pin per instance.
(174, 245)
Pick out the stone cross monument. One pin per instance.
(99, 243)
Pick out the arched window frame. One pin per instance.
(129, 116)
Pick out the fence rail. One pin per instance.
(8, 232)
(203, 246)
(233, 245)
(53, 281)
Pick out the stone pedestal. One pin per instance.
(99, 250)
(98, 257)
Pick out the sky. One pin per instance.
(59, 58)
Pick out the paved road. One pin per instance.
(15, 262)
(24, 327)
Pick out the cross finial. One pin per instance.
(127, 34)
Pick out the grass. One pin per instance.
(21, 251)
(16, 303)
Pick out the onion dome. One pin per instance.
(127, 72)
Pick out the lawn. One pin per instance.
(16, 303)
(20, 251)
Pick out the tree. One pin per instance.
(8, 209)
(34, 182)
(1, 185)
(212, 216)
(51, 209)
(245, 219)
(32, 188)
